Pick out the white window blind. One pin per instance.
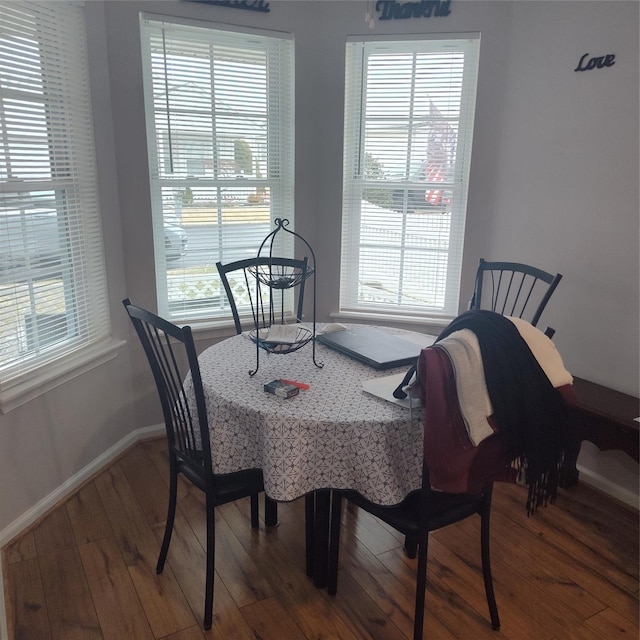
(53, 294)
(219, 111)
(409, 109)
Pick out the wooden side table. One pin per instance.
(606, 418)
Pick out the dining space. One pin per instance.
(158, 140)
(278, 464)
(325, 412)
(275, 450)
(258, 413)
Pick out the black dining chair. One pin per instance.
(427, 510)
(260, 305)
(513, 289)
(172, 356)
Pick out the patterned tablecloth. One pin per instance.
(334, 435)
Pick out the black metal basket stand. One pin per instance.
(280, 278)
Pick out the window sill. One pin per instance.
(215, 330)
(421, 322)
(28, 386)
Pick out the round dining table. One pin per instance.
(332, 435)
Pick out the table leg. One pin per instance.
(270, 512)
(321, 537)
(316, 509)
(569, 474)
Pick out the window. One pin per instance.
(53, 295)
(219, 110)
(409, 108)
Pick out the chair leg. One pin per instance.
(410, 547)
(421, 586)
(270, 511)
(486, 560)
(309, 528)
(171, 514)
(254, 511)
(210, 563)
(334, 543)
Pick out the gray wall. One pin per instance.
(554, 182)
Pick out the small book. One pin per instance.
(283, 333)
(281, 389)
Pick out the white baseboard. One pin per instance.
(70, 485)
(605, 485)
(65, 489)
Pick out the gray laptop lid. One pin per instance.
(375, 347)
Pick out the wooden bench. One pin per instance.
(606, 418)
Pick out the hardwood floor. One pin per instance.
(87, 570)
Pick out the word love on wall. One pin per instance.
(596, 62)
(393, 10)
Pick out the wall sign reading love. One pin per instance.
(596, 62)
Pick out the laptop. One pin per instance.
(375, 347)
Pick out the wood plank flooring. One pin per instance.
(87, 570)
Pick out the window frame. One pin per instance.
(277, 179)
(358, 48)
(47, 58)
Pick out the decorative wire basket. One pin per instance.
(279, 276)
(261, 338)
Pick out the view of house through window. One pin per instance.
(219, 110)
(53, 296)
(409, 108)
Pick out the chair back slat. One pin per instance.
(511, 297)
(172, 357)
(266, 304)
(514, 289)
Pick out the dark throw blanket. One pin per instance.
(531, 415)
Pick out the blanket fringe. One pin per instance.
(543, 490)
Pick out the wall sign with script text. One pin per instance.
(596, 62)
(247, 5)
(394, 10)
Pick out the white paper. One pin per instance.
(283, 333)
(385, 386)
